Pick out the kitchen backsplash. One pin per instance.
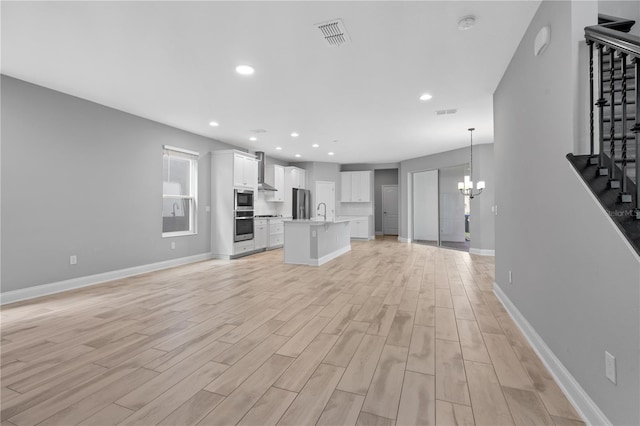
(263, 207)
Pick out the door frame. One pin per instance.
(382, 187)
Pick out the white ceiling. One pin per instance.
(174, 62)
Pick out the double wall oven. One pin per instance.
(243, 220)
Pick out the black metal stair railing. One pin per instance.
(612, 168)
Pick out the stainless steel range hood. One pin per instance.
(262, 186)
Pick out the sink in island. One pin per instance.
(316, 241)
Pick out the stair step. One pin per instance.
(617, 76)
(630, 118)
(617, 128)
(618, 89)
(616, 62)
(618, 137)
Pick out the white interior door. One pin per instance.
(390, 209)
(425, 206)
(326, 193)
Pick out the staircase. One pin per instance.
(612, 168)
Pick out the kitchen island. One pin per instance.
(316, 241)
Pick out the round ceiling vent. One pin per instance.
(466, 23)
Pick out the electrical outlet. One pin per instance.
(610, 366)
(207, 209)
(173, 245)
(510, 278)
(73, 259)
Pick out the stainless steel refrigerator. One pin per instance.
(301, 205)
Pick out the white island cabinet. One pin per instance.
(315, 242)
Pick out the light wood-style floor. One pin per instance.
(387, 334)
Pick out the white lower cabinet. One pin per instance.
(260, 233)
(360, 228)
(243, 247)
(276, 233)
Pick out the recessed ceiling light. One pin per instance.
(331, 153)
(298, 155)
(466, 23)
(244, 69)
(253, 138)
(279, 148)
(294, 135)
(213, 124)
(425, 97)
(315, 145)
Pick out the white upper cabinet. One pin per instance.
(245, 171)
(274, 176)
(361, 187)
(355, 187)
(295, 177)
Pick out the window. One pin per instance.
(179, 191)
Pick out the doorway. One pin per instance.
(389, 209)
(425, 208)
(454, 212)
(326, 193)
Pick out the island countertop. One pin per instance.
(316, 221)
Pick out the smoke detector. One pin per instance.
(466, 23)
(334, 32)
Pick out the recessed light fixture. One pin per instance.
(244, 69)
(279, 148)
(425, 97)
(213, 124)
(297, 155)
(315, 145)
(253, 138)
(331, 153)
(294, 135)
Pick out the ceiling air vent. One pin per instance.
(334, 32)
(446, 111)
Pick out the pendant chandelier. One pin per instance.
(466, 187)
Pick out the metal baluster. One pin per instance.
(592, 160)
(636, 129)
(602, 102)
(624, 197)
(613, 182)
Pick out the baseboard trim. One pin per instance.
(330, 256)
(581, 401)
(379, 233)
(482, 252)
(404, 240)
(89, 280)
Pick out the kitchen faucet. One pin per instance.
(325, 211)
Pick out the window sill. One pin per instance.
(177, 234)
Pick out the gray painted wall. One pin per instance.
(574, 278)
(483, 218)
(323, 172)
(382, 177)
(629, 9)
(80, 178)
